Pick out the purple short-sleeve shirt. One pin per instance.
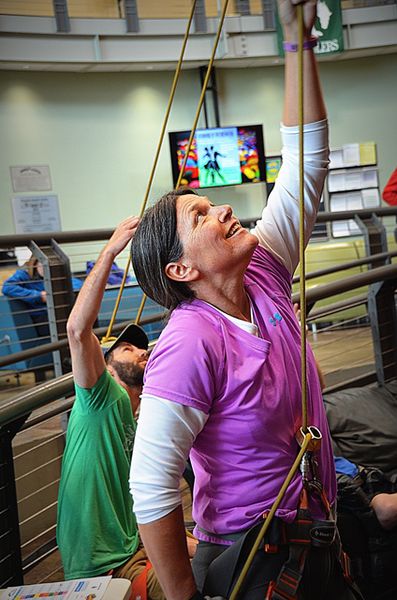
(251, 390)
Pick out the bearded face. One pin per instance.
(129, 373)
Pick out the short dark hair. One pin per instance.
(155, 244)
(108, 357)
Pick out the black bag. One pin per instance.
(363, 425)
(371, 549)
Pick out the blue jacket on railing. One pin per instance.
(21, 286)
(115, 276)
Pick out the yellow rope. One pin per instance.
(155, 161)
(204, 88)
(307, 433)
(302, 263)
(196, 118)
(306, 441)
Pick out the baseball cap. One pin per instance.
(132, 334)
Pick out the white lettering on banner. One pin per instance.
(327, 46)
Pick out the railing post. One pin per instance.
(383, 319)
(59, 296)
(375, 237)
(10, 543)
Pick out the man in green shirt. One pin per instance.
(97, 531)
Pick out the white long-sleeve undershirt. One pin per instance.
(166, 430)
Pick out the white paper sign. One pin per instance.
(370, 198)
(34, 214)
(31, 178)
(336, 159)
(351, 155)
(76, 589)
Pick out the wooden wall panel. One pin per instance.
(93, 9)
(211, 8)
(112, 9)
(174, 9)
(164, 9)
(256, 7)
(100, 9)
(35, 8)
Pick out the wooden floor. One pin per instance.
(340, 353)
(343, 353)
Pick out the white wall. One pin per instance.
(98, 132)
(360, 95)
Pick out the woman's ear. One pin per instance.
(179, 271)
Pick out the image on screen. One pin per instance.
(219, 156)
(273, 164)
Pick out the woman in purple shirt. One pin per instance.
(223, 382)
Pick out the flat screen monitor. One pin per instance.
(219, 156)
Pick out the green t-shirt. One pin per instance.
(97, 530)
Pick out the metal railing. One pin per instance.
(31, 425)
(24, 350)
(29, 333)
(31, 536)
(21, 337)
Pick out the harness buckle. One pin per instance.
(315, 442)
(308, 466)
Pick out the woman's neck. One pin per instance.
(229, 298)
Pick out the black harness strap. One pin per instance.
(302, 534)
(286, 586)
(224, 569)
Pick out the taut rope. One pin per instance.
(307, 435)
(155, 161)
(194, 126)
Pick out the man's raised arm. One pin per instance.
(88, 363)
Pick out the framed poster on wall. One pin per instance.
(34, 214)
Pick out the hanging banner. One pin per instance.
(327, 28)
